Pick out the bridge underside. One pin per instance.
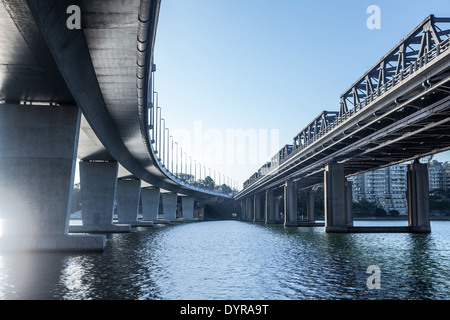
(69, 94)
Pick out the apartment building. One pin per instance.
(387, 187)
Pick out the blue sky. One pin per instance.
(265, 66)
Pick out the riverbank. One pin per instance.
(399, 218)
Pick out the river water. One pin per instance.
(238, 260)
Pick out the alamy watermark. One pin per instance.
(374, 20)
(374, 280)
(230, 146)
(74, 20)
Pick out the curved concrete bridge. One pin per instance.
(69, 93)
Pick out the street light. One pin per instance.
(176, 159)
(185, 164)
(167, 149)
(158, 137)
(153, 116)
(181, 163)
(171, 155)
(163, 141)
(190, 168)
(195, 170)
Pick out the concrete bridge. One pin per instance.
(81, 90)
(397, 111)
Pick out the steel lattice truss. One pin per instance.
(381, 101)
(314, 128)
(424, 43)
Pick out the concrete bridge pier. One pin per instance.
(310, 208)
(169, 201)
(249, 212)
(127, 197)
(338, 199)
(243, 213)
(418, 198)
(38, 148)
(290, 204)
(187, 207)
(269, 207)
(150, 204)
(98, 181)
(258, 212)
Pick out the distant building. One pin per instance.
(436, 176)
(439, 176)
(387, 187)
(446, 166)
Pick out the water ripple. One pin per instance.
(237, 260)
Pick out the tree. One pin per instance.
(207, 183)
(380, 212)
(225, 189)
(364, 207)
(394, 213)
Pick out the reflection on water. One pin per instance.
(237, 260)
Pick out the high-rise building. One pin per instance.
(387, 187)
(437, 175)
(446, 167)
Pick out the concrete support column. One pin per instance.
(269, 207)
(337, 215)
(169, 201)
(187, 207)
(258, 212)
(249, 209)
(128, 195)
(98, 182)
(150, 204)
(310, 208)
(418, 198)
(38, 148)
(277, 215)
(349, 203)
(243, 210)
(290, 204)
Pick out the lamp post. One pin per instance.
(181, 163)
(171, 155)
(176, 160)
(158, 133)
(185, 164)
(166, 149)
(195, 171)
(153, 116)
(190, 168)
(163, 141)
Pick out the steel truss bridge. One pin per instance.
(398, 110)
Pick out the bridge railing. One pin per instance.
(173, 162)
